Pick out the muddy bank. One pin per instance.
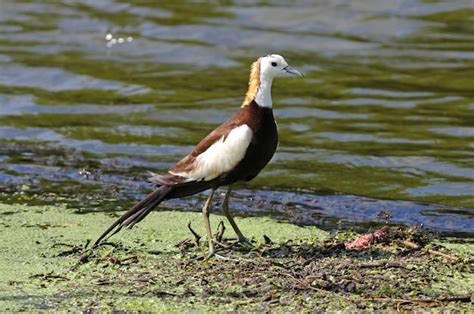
(160, 265)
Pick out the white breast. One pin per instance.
(221, 156)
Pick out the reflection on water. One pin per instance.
(385, 110)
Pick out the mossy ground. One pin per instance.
(158, 267)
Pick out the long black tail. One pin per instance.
(135, 214)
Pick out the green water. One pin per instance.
(382, 120)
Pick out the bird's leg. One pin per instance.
(205, 214)
(225, 209)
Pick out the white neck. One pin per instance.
(264, 93)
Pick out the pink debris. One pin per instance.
(365, 240)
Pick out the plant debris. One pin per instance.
(287, 268)
(295, 275)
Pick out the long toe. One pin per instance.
(245, 242)
(213, 254)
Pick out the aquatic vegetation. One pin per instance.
(162, 266)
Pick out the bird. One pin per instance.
(236, 151)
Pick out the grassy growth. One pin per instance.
(159, 267)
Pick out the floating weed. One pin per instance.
(288, 268)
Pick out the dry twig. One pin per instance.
(197, 237)
(415, 246)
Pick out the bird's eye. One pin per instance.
(274, 64)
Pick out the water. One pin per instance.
(383, 120)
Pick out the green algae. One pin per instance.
(156, 267)
(29, 235)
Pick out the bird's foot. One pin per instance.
(244, 242)
(221, 257)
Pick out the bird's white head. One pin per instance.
(261, 77)
(274, 65)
